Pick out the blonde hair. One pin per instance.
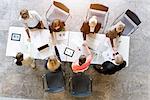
(120, 26)
(53, 63)
(93, 21)
(118, 59)
(56, 23)
(24, 12)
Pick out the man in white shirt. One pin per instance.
(31, 19)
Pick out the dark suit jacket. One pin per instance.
(108, 68)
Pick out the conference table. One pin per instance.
(70, 45)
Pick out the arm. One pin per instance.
(114, 44)
(87, 49)
(54, 38)
(27, 31)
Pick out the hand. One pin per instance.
(114, 50)
(29, 39)
(84, 43)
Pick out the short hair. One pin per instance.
(56, 23)
(120, 26)
(82, 59)
(118, 59)
(93, 21)
(19, 58)
(53, 63)
(24, 11)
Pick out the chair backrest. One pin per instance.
(130, 20)
(61, 6)
(99, 10)
(99, 7)
(53, 82)
(57, 11)
(80, 85)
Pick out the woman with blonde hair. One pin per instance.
(57, 26)
(54, 62)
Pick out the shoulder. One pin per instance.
(123, 64)
(85, 24)
(107, 63)
(62, 23)
(74, 66)
(98, 24)
(33, 12)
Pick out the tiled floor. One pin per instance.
(131, 83)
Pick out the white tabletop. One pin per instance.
(98, 43)
(39, 38)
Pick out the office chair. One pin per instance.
(131, 21)
(80, 85)
(57, 11)
(53, 82)
(101, 11)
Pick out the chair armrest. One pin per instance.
(47, 12)
(70, 86)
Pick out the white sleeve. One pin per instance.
(22, 21)
(37, 15)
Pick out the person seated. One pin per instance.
(111, 67)
(84, 62)
(92, 26)
(54, 62)
(20, 60)
(114, 33)
(57, 26)
(31, 20)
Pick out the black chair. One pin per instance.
(130, 19)
(80, 85)
(54, 82)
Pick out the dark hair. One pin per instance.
(82, 59)
(19, 63)
(19, 58)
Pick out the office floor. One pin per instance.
(131, 83)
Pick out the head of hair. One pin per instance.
(56, 23)
(24, 13)
(118, 59)
(82, 59)
(53, 63)
(120, 26)
(93, 21)
(19, 58)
